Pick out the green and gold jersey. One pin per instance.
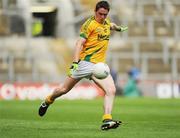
(97, 38)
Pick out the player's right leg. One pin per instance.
(63, 89)
(109, 123)
(109, 88)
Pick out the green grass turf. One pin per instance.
(142, 118)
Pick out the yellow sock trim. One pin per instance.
(107, 116)
(48, 100)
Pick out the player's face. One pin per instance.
(101, 14)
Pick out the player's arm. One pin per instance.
(118, 28)
(78, 47)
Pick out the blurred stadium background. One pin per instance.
(37, 39)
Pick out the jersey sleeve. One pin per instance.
(86, 29)
(108, 21)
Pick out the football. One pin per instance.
(101, 70)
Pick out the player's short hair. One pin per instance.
(102, 4)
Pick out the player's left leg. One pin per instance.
(109, 88)
(61, 90)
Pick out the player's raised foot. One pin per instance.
(110, 124)
(43, 108)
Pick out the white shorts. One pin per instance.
(84, 70)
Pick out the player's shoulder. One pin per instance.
(91, 18)
(107, 21)
(89, 21)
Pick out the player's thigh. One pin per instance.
(106, 84)
(69, 83)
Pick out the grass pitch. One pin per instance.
(142, 118)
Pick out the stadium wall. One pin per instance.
(35, 91)
(84, 90)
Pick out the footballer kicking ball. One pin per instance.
(101, 70)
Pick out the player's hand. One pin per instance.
(122, 28)
(74, 67)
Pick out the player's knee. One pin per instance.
(111, 91)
